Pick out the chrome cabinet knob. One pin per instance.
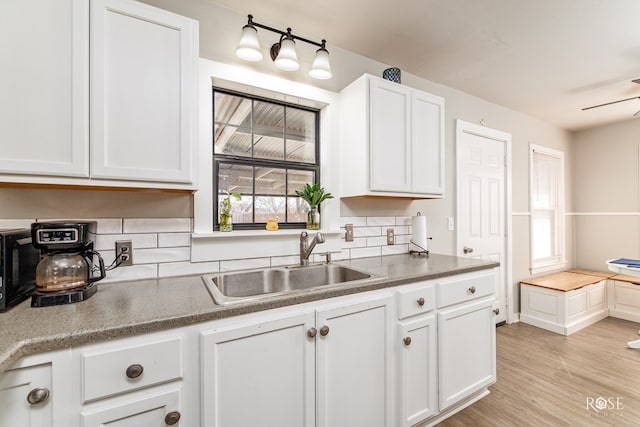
(420, 301)
(324, 330)
(311, 333)
(406, 341)
(467, 250)
(172, 418)
(472, 290)
(134, 371)
(38, 395)
(496, 311)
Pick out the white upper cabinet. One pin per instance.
(143, 92)
(392, 140)
(99, 93)
(44, 82)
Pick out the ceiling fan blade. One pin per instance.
(609, 103)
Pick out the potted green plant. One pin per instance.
(313, 194)
(226, 223)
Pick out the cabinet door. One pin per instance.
(44, 82)
(354, 364)
(154, 410)
(15, 387)
(467, 350)
(427, 144)
(417, 392)
(389, 137)
(143, 92)
(260, 374)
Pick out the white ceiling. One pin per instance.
(546, 58)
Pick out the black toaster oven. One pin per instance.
(18, 260)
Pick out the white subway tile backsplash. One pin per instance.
(157, 225)
(377, 241)
(170, 269)
(162, 246)
(109, 225)
(245, 264)
(157, 255)
(395, 249)
(166, 240)
(381, 220)
(365, 252)
(367, 231)
(134, 272)
(356, 243)
(403, 220)
(138, 241)
(357, 221)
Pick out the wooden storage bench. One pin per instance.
(564, 302)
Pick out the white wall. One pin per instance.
(606, 198)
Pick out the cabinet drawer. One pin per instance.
(117, 370)
(465, 287)
(416, 299)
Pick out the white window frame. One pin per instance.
(557, 234)
(209, 245)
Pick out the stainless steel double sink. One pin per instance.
(245, 286)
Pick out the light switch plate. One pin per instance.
(348, 235)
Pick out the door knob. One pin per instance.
(312, 332)
(467, 250)
(407, 341)
(324, 330)
(496, 311)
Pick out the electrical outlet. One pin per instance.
(390, 237)
(124, 249)
(348, 235)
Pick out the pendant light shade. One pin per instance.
(321, 68)
(287, 59)
(249, 47)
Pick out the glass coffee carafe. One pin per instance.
(63, 271)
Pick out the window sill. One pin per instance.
(548, 267)
(257, 233)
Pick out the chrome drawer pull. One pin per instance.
(472, 289)
(420, 301)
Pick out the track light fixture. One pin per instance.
(283, 53)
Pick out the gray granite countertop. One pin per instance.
(142, 306)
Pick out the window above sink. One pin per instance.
(215, 245)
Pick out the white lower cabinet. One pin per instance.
(25, 397)
(259, 373)
(275, 369)
(354, 364)
(466, 350)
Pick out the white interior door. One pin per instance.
(483, 201)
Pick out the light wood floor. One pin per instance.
(546, 379)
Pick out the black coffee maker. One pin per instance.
(67, 271)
